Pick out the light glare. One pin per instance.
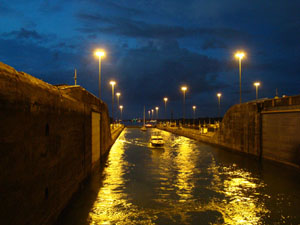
(100, 53)
(240, 55)
(183, 88)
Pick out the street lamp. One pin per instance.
(256, 84)
(156, 109)
(99, 53)
(149, 113)
(183, 89)
(112, 83)
(165, 100)
(219, 103)
(152, 110)
(118, 100)
(121, 110)
(240, 56)
(194, 109)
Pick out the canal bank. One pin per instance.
(266, 129)
(52, 138)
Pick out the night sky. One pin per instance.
(154, 46)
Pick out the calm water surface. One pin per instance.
(186, 182)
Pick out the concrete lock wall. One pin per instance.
(280, 136)
(95, 137)
(240, 128)
(267, 129)
(46, 145)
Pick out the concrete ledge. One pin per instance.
(116, 132)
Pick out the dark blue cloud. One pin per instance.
(96, 23)
(155, 46)
(24, 34)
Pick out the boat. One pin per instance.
(143, 128)
(157, 140)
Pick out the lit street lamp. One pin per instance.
(219, 103)
(240, 56)
(112, 83)
(118, 99)
(194, 110)
(121, 110)
(152, 111)
(149, 113)
(256, 84)
(165, 100)
(99, 53)
(156, 108)
(183, 89)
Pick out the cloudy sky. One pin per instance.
(155, 46)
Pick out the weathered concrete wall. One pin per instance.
(239, 129)
(266, 129)
(45, 145)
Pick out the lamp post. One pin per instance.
(183, 89)
(219, 103)
(149, 113)
(112, 83)
(256, 84)
(194, 110)
(152, 110)
(100, 53)
(165, 100)
(240, 56)
(156, 109)
(121, 110)
(118, 100)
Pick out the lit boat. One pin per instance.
(156, 140)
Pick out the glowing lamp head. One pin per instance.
(112, 83)
(219, 95)
(99, 53)
(152, 110)
(121, 107)
(118, 94)
(156, 108)
(194, 107)
(165, 99)
(183, 88)
(240, 55)
(256, 84)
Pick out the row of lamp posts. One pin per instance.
(101, 54)
(238, 55)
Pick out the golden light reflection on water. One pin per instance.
(113, 205)
(109, 198)
(185, 164)
(241, 204)
(174, 174)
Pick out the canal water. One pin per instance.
(185, 182)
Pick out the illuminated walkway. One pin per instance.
(185, 182)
